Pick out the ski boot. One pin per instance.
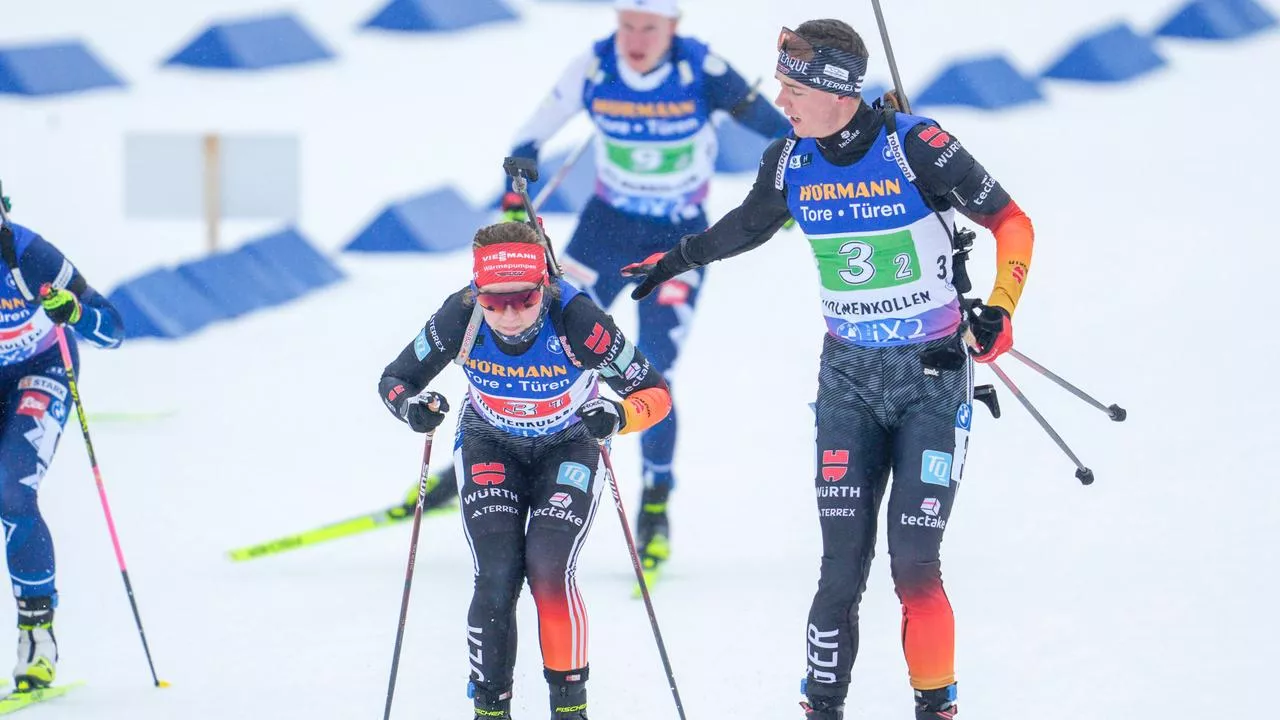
(568, 693)
(37, 647)
(442, 493)
(490, 703)
(937, 704)
(653, 532)
(820, 707)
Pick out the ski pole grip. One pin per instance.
(521, 167)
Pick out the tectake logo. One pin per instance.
(632, 371)
(561, 500)
(931, 507)
(559, 514)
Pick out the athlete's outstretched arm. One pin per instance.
(748, 226)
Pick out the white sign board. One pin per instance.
(168, 177)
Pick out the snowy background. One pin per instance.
(1151, 592)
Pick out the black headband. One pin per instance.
(825, 68)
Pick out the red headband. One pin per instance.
(509, 262)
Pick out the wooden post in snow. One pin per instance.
(212, 189)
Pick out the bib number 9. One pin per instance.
(646, 160)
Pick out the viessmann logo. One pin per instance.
(504, 256)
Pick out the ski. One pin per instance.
(441, 499)
(16, 701)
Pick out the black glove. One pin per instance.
(992, 330)
(602, 417)
(418, 412)
(658, 268)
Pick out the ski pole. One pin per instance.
(523, 171)
(408, 574)
(888, 54)
(102, 494)
(644, 588)
(1083, 474)
(1113, 411)
(561, 173)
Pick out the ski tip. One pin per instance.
(162, 683)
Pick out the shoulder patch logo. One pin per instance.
(421, 348)
(599, 340)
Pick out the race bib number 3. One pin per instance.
(870, 262)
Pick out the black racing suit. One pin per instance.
(527, 502)
(904, 409)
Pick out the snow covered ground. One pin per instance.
(1149, 592)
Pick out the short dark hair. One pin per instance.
(833, 33)
(506, 232)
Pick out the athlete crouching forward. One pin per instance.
(527, 448)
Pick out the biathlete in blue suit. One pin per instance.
(650, 94)
(35, 401)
